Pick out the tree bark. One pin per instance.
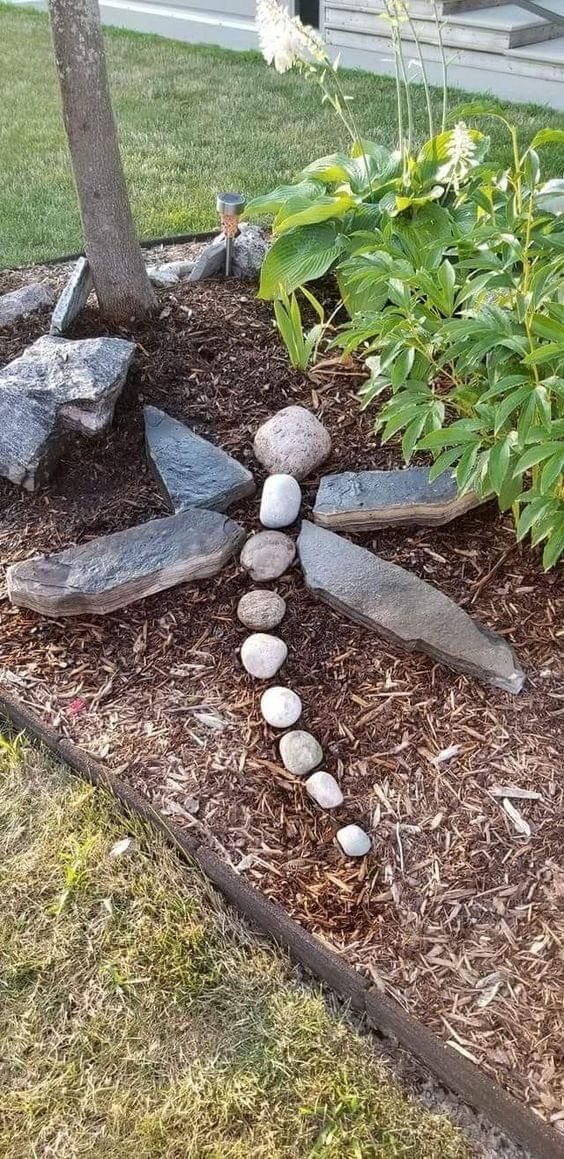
(116, 261)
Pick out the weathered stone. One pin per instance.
(73, 298)
(280, 707)
(362, 500)
(324, 790)
(56, 385)
(261, 610)
(354, 841)
(403, 608)
(115, 570)
(267, 555)
(262, 655)
(27, 300)
(280, 502)
(192, 471)
(249, 251)
(300, 752)
(169, 273)
(292, 442)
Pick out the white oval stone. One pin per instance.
(300, 752)
(324, 790)
(268, 554)
(354, 841)
(262, 655)
(281, 501)
(280, 707)
(261, 610)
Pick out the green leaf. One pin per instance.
(536, 455)
(498, 463)
(550, 199)
(547, 137)
(272, 202)
(555, 546)
(324, 208)
(552, 471)
(510, 404)
(444, 461)
(412, 433)
(298, 257)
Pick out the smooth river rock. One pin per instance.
(292, 442)
(354, 841)
(280, 501)
(324, 790)
(403, 608)
(192, 472)
(267, 555)
(73, 298)
(114, 570)
(363, 500)
(280, 707)
(300, 752)
(262, 655)
(56, 385)
(261, 610)
(27, 300)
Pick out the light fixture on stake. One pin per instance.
(230, 207)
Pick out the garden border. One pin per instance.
(383, 1014)
(147, 244)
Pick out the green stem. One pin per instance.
(444, 64)
(423, 73)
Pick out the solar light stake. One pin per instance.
(230, 207)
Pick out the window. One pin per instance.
(308, 11)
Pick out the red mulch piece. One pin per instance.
(455, 913)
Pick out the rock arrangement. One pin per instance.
(291, 445)
(191, 471)
(366, 500)
(27, 300)
(249, 251)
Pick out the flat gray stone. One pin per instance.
(114, 570)
(169, 273)
(27, 300)
(267, 555)
(73, 298)
(249, 251)
(403, 608)
(363, 500)
(292, 442)
(192, 472)
(56, 385)
(261, 610)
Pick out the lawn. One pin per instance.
(192, 120)
(144, 1019)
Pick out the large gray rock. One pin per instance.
(403, 608)
(55, 386)
(249, 251)
(192, 472)
(73, 298)
(362, 500)
(27, 300)
(292, 442)
(115, 570)
(169, 273)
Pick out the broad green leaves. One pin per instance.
(300, 256)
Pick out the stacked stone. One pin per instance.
(290, 445)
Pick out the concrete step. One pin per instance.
(192, 24)
(492, 29)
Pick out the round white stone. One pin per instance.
(300, 752)
(262, 655)
(324, 790)
(267, 555)
(261, 610)
(280, 707)
(354, 841)
(281, 501)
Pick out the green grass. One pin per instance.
(140, 1018)
(192, 120)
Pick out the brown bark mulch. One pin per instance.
(455, 913)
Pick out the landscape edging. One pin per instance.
(147, 244)
(382, 1013)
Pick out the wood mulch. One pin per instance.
(456, 913)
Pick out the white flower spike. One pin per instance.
(284, 40)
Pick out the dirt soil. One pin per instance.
(455, 912)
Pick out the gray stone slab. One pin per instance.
(192, 472)
(403, 608)
(73, 298)
(249, 251)
(114, 570)
(27, 300)
(364, 500)
(55, 386)
(169, 273)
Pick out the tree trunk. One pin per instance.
(118, 270)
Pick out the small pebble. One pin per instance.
(300, 752)
(354, 841)
(262, 655)
(280, 707)
(261, 610)
(325, 791)
(267, 555)
(281, 501)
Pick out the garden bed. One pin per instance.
(454, 913)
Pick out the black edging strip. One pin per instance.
(148, 244)
(382, 1013)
